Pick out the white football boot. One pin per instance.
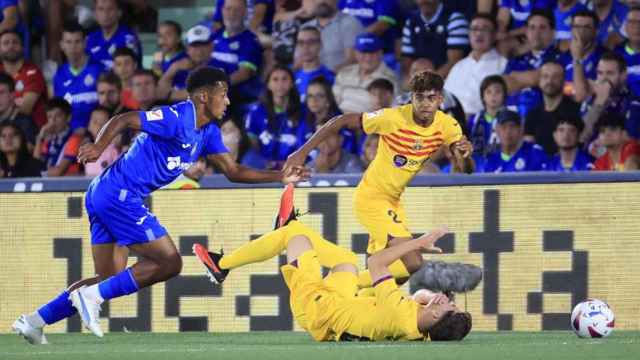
(34, 335)
(88, 309)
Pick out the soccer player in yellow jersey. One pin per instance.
(409, 136)
(328, 308)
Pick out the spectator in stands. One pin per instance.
(621, 153)
(238, 52)
(10, 113)
(30, 89)
(512, 21)
(612, 14)
(339, 32)
(540, 39)
(321, 106)
(125, 65)
(541, 122)
(515, 154)
(10, 20)
(466, 75)
(15, 159)
(563, 14)
(76, 80)
(144, 86)
(98, 118)
(237, 142)
(109, 93)
(170, 48)
(102, 43)
(482, 125)
(570, 156)
(172, 85)
(369, 150)
(350, 88)
(308, 46)
(584, 53)
(450, 105)
(259, 16)
(611, 95)
(380, 94)
(437, 33)
(277, 125)
(332, 158)
(631, 49)
(56, 144)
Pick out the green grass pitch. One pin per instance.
(287, 345)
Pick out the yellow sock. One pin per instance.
(329, 254)
(263, 248)
(397, 270)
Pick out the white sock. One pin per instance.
(34, 319)
(94, 293)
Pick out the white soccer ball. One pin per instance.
(592, 318)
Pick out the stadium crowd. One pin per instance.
(536, 85)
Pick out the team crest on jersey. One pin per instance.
(418, 145)
(399, 160)
(112, 49)
(234, 45)
(440, 29)
(154, 115)
(19, 85)
(520, 164)
(89, 80)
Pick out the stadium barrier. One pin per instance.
(545, 242)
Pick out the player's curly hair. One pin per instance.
(452, 326)
(207, 76)
(425, 81)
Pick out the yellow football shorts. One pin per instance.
(314, 300)
(383, 218)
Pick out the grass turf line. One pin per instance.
(287, 345)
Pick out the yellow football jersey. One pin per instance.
(403, 147)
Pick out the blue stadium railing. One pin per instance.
(346, 180)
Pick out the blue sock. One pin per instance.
(57, 309)
(118, 285)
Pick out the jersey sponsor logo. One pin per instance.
(175, 162)
(85, 97)
(225, 57)
(400, 160)
(154, 115)
(362, 12)
(31, 72)
(635, 69)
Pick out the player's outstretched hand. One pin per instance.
(463, 148)
(88, 153)
(295, 160)
(295, 174)
(428, 240)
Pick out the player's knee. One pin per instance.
(176, 266)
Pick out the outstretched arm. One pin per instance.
(239, 173)
(90, 152)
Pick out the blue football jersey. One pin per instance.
(582, 162)
(482, 133)
(101, 49)
(369, 12)
(79, 89)
(168, 145)
(303, 78)
(243, 49)
(633, 67)
(267, 22)
(530, 157)
(590, 64)
(563, 20)
(613, 22)
(520, 9)
(168, 61)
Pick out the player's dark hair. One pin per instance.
(485, 16)
(333, 104)
(73, 27)
(176, 27)
(425, 81)
(571, 120)
(59, 103)
(491, 80)
(587, 13)
(453, 326)
(205, 77)
(111, 78)
(294, 107)
(125, 51)
(146, 72)
(617, 58)
(545, 13)
(6, 79)
(381, 84)
(610, 120)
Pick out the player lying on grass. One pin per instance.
(409, 136)
(172, 138)
(329, 308)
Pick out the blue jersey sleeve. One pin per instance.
(217, 14)
(255, 121)
(162, 122)
(539, 159)
(213, 143)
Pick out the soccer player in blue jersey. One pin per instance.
(76, 80)
(171, 139)
(102, 43)
(570, 156)
(515, 154)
